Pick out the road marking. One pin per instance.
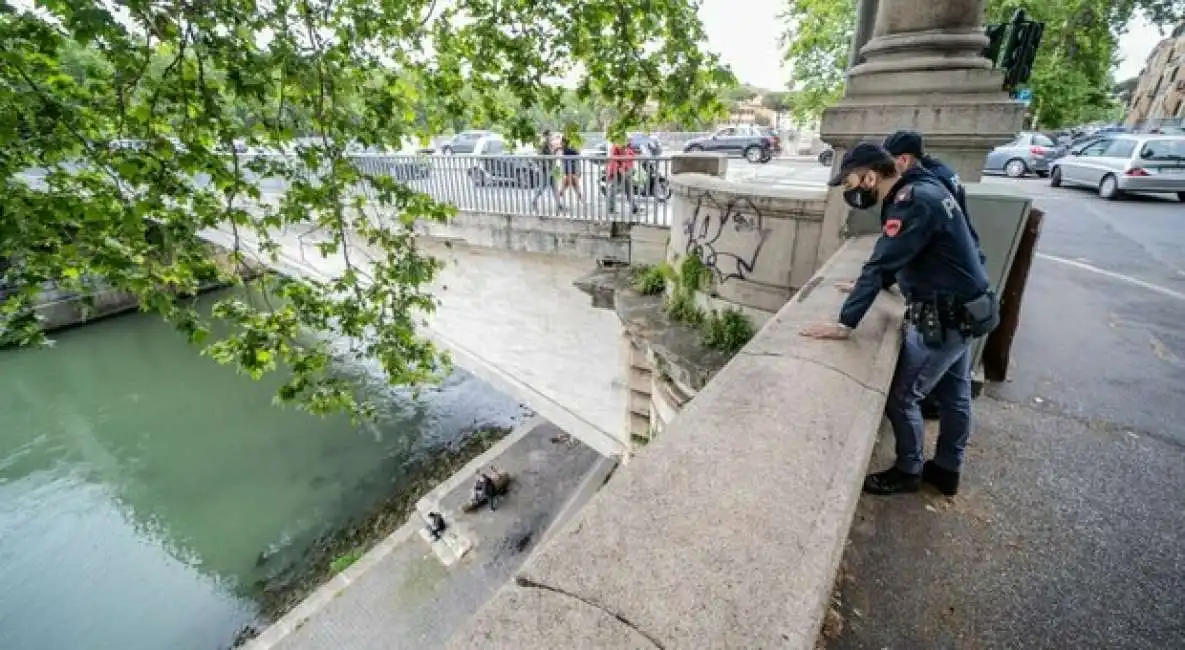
(1143, 284)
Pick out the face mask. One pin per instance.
(860, 198)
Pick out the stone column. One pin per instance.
(923, 69)
(865, 22)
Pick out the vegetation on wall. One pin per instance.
(120, 114)
(1071, 79)
(727, 330)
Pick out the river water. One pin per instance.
(144, 488)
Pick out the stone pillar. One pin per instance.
(865, 22)
(922, 70)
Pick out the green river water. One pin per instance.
(142, 486)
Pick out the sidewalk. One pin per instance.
(400, 595)
(1064, 536)
(1069, 530)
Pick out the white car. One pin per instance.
(1120, 162)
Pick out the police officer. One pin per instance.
(908, 148)
(927, 245)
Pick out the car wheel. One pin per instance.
(693, 147)
(753, 153)
(1042, 174)
(1181, 196)
(826, 157)
(1015, 168)
(1055, 177)
(478, 176)
(446, 150)
(1109, 188)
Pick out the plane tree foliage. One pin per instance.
(131, 127)
(1072, 76)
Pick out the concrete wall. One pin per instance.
(726, 531)
(61, 309)
(761, 243)
(594, 240)
(581, 238)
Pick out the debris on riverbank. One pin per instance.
(287, 586)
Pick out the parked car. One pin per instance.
(499, 164)
(1119, 163)
(463, 142)
(753, 143)
(1028, 153)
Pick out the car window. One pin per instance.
(1042, 141)
(1164, 150)
(1121, 148)
(1096, 149)
(726, 132)
(495, 146)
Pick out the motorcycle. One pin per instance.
(648, 182)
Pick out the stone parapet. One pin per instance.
(700, 162)
(760, 243)
(582, 238)
(696, 543)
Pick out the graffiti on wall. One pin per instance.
(727, 236)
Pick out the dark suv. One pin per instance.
(757, 144)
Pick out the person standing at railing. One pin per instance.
(619, 176)
(546, 163)
(927, 246)
(908, 149)
(571, 165)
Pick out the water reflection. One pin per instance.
(144, 489)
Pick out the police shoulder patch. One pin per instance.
(904, 195)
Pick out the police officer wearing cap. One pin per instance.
(908, 149)
(927, 245)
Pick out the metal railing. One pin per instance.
(569, 187)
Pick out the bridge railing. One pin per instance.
(569, 187)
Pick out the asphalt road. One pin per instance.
(1101, 336)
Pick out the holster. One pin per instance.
(926, 318)
(981, 315)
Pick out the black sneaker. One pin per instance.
(892, 481)
(929, 408)
(944, 480)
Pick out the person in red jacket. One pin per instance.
(619, 174)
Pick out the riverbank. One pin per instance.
(400, 595)
(331, 553)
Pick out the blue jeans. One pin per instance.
(945, 373)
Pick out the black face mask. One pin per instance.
(860, 198)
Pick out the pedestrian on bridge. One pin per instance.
(927, 246)
(908, 149)
(547, 162)
(619, 176)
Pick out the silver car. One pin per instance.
(1028, 153)
(1119, 163)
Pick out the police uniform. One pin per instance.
(927, 245)
(910, 142)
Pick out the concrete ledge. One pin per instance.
(726, 531)
(594, 240)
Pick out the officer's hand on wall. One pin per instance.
(825, 331)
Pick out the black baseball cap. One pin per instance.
(905, 142)
(863, 155)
